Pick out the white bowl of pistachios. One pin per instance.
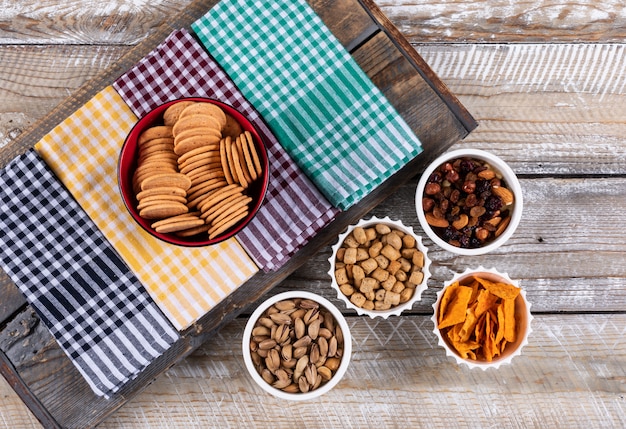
(297, 345)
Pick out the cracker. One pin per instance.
(165, 143)
(232, 128)
(156, 132)
(217, 209)
(226, 225)
(242, 159)
(224, 159)
(172, 113)
(249, 162)
(195, 121)
(206, 162)
(152, 198)
(253, 152)
(208, 109)
(213, 171)
(163, 210)
(203, 188)
(193, 231)
(197, 131)
(219, 195)
(178, 225)
(188, 215)
(191, 143)
(236, 165)
(195, 152)
(166, 179)
(206, 175)
(230, 211)
(229, 159)
(169, 190)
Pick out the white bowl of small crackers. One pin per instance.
(482, 318)
(193, 172)
(379, 267)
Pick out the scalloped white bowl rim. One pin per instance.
(394, 311)
(521, 342)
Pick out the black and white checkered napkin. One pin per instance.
(95, 308)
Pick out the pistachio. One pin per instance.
(292, 342)
(280, 318)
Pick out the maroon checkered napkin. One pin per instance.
(294, 210)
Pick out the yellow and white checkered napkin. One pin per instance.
(184, 282)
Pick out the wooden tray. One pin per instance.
(30, 359)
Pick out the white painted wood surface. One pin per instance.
(546, 80)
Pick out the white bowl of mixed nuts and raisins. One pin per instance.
(469, 201)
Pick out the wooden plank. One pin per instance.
(545, 109)
(399, 377)
(115, 22)
(212, 389)
(586, 270)
(121, 22)
(546, 21)
(12, 300)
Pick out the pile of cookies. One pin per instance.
(194, 171)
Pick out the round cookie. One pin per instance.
(195, 121)
(220, 195)
(253, 153)
(232, 128)
(236, 165)
(203, 188)
(195, 152)
(172, 113)
(178, 225)
(208, 109)
(242, 159)
(230, 162)
(230, 204)
(224, 159)
(165, 180)
(207, 162)
(163, 210)
(227, 224)
(170, 190)
(196, 142)
(197, 131)
(248, 159)
(193, 231)
(210, 156)
(152, 133)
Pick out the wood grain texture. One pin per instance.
(399, 377)
(526, 21)
(545, 80)
(552, 109)
(117, 22)
(567, 260)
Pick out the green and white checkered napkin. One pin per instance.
(328, 115)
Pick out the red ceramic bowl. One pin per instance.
(128, 163)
